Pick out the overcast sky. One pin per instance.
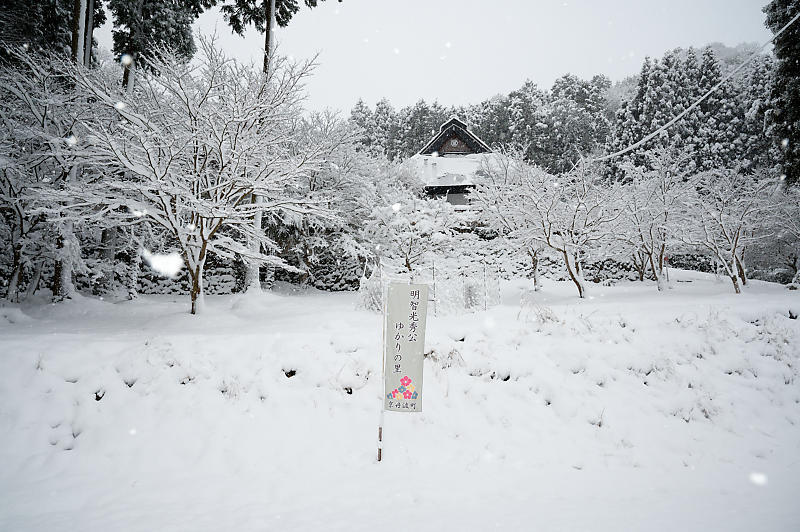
(464, 51)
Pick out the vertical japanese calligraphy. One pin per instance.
(406, 309)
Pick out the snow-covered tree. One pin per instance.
(37, 113)
(573, 214)
(194, 147)
(786, 90)
(652, 202)
(787, 227)
(404, 229)
(723, 215)
(498, 196)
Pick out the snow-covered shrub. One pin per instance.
(370, 292)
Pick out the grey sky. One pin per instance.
(464, 51)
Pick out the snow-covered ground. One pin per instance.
(633, 410)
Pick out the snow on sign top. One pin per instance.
(406, 311)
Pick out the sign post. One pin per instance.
(405, 313)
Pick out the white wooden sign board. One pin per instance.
(404, 345)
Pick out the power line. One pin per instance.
(699, 101)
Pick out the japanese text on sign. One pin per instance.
(406, 308)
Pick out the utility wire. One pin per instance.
(698, 102)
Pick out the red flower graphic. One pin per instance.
(406, 395)
(405, 381)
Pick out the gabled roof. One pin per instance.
(454, 127)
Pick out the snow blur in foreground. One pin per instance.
(636, 410)
(169, 264)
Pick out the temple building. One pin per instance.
(451, 161)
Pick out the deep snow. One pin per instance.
(633, 410)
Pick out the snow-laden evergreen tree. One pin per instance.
(262, 14)
(45, 26)
(361, 116)
(143, 26)
(416, 125)
(384, 129)
(725, 130)
(786, 89)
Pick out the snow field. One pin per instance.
(633, 410)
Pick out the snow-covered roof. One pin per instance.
(460, 170)
(454, 128)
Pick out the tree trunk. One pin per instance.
(12, 294)
(269, 37)
(62, 282)
(78, 30)
(37, 276)
(87, 42)
(740, 270)
(575, 275)
(253, 280)
(534, 254)
(658, 273)
(735, 281)
(133, 280)
(639, 264)
(108, 244)
(197, 288)
(129, 75)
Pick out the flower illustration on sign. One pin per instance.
(404, 391)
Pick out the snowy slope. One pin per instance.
(633, 410)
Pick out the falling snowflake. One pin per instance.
(396, 207)
(132, 432)
(448, 44)
(785, 143)
(191, 227)
(168, 265)
(72, 140)
(759, 479)
(139, 214)
(119, 106)
(397, 51)
(126, 59)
